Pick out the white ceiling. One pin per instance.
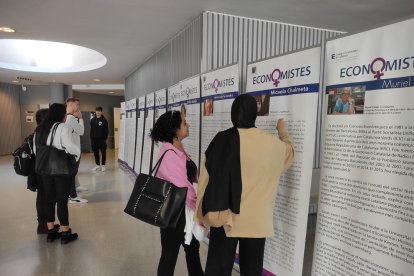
(128, 31)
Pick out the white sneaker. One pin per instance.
(97, 168)
(103, 168)
(81, 189)
(77, 200)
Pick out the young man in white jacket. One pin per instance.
(75, 122)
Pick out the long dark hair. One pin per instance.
(40, 115)
(56, 114)
(165, 128)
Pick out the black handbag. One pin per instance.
(156, 201)
(52, 161)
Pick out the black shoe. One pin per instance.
(53, 235)
(67, 237)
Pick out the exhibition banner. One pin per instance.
(287, 87)
(160, 108)
(140, 134)
(121, 153)
(127, 131)
(132, 127)
(366, 200)
(174, 97)
(147, 142)
(218, 90)
(190, 108)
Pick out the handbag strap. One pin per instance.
(158, 164)
(53, 133)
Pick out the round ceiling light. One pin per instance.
(48, 56)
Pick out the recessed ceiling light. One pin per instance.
(111, 92)
(15, 81)
(7, 30)
(54, 80)
(97, 80)
(48, 56)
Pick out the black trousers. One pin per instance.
(57, 193)
(171, 241)
(73, 193)
(99, 145)
(222, 250)
(40, 200)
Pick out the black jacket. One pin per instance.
(99, 128)
(32, 179)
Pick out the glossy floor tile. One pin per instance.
(110, 242)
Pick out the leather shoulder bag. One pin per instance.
(156, 201)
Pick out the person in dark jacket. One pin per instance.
(34, 183)
(99, 134)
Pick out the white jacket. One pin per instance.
(77, 127)
(63, 140)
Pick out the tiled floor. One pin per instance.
(110, 242)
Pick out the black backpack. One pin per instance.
(24, 158)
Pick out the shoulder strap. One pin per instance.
(53, 133)
(158, 164)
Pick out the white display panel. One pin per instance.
(121, 150)
(366, 202)
(190, 104)
(160, 108)
(147, 142)
(174, 97)
(218, 90)
(287, 87)
(140, 133)
(131, 125)
(127, 132)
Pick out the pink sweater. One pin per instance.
(173, 169)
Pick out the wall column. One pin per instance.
(57, 93)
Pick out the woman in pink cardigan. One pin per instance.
(178, 168)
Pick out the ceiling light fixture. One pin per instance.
(97, 80)
(7, 30)
(15, 81)
(111, 92)
(24, 78)
(48, 56)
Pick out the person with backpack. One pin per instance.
(34, 182)
(24, 165)
(55, 133)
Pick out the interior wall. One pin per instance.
(30, 100)
(88, 102)
(10, 119)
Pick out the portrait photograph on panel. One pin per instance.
(346, 100)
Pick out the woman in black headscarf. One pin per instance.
(237, 189)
